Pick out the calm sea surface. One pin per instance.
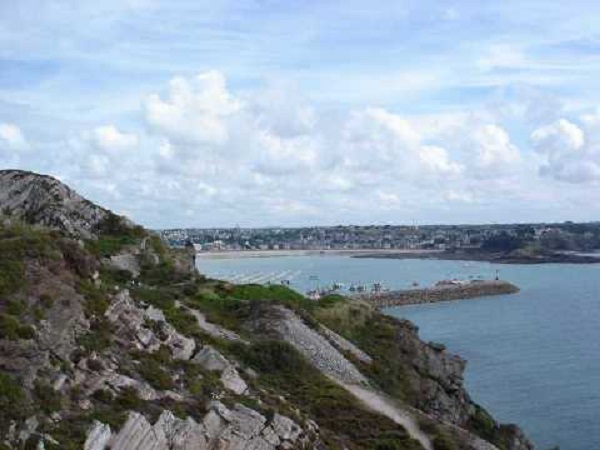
(533, 357)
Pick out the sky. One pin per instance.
(182, 113)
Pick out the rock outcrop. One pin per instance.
(209, 358)
(43, 200)
(288, 326)
(132, 328)
(221, 428)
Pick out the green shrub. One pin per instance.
(19, 243)
(151, 369)
(444, 442)
(46, 300)
(13, 402)
(98, 338)
(96, 301)
(12, 329)
(16, 308)
(48, 399)
(128, 399)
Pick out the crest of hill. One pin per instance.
(43, 200)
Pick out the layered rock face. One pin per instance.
(222, 428)
(43, 200)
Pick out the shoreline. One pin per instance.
(360, 253)
(497, 258)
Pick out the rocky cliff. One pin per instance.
(108, 339)
(43, 200)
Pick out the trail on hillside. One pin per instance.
(378, 402)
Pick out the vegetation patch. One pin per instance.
(19, 243)
(12, 329)
(344, 422)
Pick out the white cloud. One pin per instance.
(194, 111)
(571, 153)
(436, 160)
(12, 136)
(277, 155)
(103, 151)
(557, 138)
(109, 138)
(494, 149)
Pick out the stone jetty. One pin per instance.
(440, 292)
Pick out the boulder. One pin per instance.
(210, 358)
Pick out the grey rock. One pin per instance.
(98, 436)
(232, 381)
(43, 200)
(138, 434)
(238, 428)
(210, 358)
(130, 327)
(126, 261)
(286, 428)
(29, 427)
(213, 330)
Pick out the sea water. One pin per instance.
(533, 357)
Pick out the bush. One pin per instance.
(46, 300)
(12, 329)
(13, 402)
(98, 338)
(151, 369)
(19, 243)
(96, 302)
(49, 400)
(444, 442)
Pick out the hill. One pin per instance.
(109, 339)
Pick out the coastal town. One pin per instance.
(563, 236)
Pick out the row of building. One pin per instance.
(442, 237)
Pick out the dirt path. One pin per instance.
(378, 402)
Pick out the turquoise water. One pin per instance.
(533, 357)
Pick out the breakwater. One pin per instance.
(439, 293)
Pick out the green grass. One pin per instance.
(113, 234)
